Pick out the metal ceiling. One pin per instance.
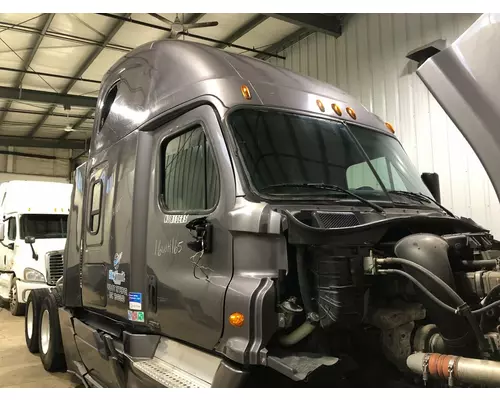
(51, 64)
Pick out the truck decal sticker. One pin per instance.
(135, 301)
(175, 219)
(171, 247)
(118, 277)
(116, 260)
(117, 293)
(137, 316)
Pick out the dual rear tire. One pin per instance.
(42, 330)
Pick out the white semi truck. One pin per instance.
(33, 229)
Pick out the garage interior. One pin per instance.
(51, 66)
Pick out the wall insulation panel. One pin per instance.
(19, 167)
(369, 61)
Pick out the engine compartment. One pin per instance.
(378, 294)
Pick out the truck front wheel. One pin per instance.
(32, 319)
(15, 307)
(49, 341)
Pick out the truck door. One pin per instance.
(9, 242)
(192, 183)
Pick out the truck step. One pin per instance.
(168, 375)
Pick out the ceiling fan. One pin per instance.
(178, 28)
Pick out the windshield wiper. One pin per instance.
(422, 198)
(334, 188)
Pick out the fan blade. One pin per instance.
(201, 25)
(161, 18)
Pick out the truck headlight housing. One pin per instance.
(32, 275)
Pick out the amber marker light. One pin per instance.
(237, 319)
(320, 105)
(336, 108)
(351, 112)
(245, 91)
(390, 127)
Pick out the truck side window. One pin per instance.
(190, 177)
(12, 231)
(95, 207)
(108, 102)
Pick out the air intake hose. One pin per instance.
(431, 252)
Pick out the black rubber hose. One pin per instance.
(427, 292)
(479, 263)
(461, 305)
(304, 287)
(438, 280)
(493, 292)
(486, 308)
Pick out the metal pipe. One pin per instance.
(35, 112)
(64, 36)
(25, 71)
(207, 39)
(29, 155)
(455, 369)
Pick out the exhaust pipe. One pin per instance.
(455, 369)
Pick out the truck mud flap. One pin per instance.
(299, 366)
(99, 355)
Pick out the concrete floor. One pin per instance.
(18, 367)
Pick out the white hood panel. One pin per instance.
(465, 79)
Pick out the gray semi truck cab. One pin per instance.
(238, 224)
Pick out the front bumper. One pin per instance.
(24, 288)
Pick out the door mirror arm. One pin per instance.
(30, 240)
(33, 253)
(201, 231)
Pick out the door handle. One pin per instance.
(152, 293)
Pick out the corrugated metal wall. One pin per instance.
(17, 167)
(369, 61)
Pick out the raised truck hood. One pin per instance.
(465, 80)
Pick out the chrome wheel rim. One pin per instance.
(29, 320)
(45, 332)
(13, 298)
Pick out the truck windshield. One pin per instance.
(281, 150)
(44, 226)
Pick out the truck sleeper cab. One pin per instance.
(238, 224)
(32, 238)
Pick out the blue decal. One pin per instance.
(135, 301)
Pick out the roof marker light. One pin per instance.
(336, 108)
(245, 91)
(351, 112)
(320, 105)
(390, 127)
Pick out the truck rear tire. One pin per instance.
(32, 318)
(50, 342)
(15, 307)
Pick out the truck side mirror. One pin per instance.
(2, 231)
(30, 240)
(431, 180)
